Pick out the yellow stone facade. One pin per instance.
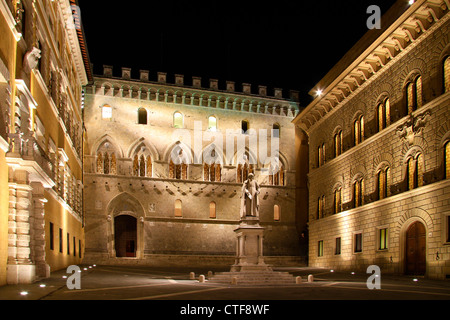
(42, 72)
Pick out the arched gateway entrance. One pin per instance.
(415, 257)
(125, 236)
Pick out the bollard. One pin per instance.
(310, 278)
(201, 278)
(298, 280)
(192, 275)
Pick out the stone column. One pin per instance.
(37, 221)
(20, 267)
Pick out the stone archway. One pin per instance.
(125, 236)
(415, 249)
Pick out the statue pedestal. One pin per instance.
(249, 247)
(249, 267)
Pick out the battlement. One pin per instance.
(179, 80)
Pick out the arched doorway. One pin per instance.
(125, 236)
(415, 262)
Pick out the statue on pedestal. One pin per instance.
(250, 198)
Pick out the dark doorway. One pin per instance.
(416, 249)
(125, 236)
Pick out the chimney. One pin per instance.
(230, 86)
(162, 77)
(144, 75)
(107, 71)
(197, 82)
(179, 79)
(126, 73)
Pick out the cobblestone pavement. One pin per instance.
(192, 297)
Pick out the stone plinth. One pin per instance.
(249, 246)
(249, 267)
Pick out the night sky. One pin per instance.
(281, 44)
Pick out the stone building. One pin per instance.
(379, 149)
(164, 169)
(42, 70)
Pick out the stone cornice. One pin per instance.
(419, 20)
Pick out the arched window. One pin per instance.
(415, 171)
(178, 208)
(212, 123)
(245, 126)
(419, 170)
(384, 114)
(276, 130)
(212, 210)
(178, 121)
(142, 116)
(178, 171)
(410, 173)
(106, 112)
(414, 94)
(447, 160)
(321, 155)
(276, 213)
(384, 183)
(358, 192)
(338, 200)
(320, 207)
(446, 72)
(358, 130)
(276, 176)
(338, 143)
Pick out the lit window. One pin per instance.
(338, 143)
(337, 200)
(384, 183)
(384, 114)
(178, 208)
(447, 160)
(276, 213)
(106, 112)
(382, 239)
(358, 192)
(212, 210)
(447, 74)
(212, 123)
(142, 116)
(358, 130)
(320, 248)
(177, 120)
(414, 94)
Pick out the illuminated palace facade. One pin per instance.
(110, 169)
(163, 174)
(379, 149)
(42, 71)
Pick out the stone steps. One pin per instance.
(253, 278)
